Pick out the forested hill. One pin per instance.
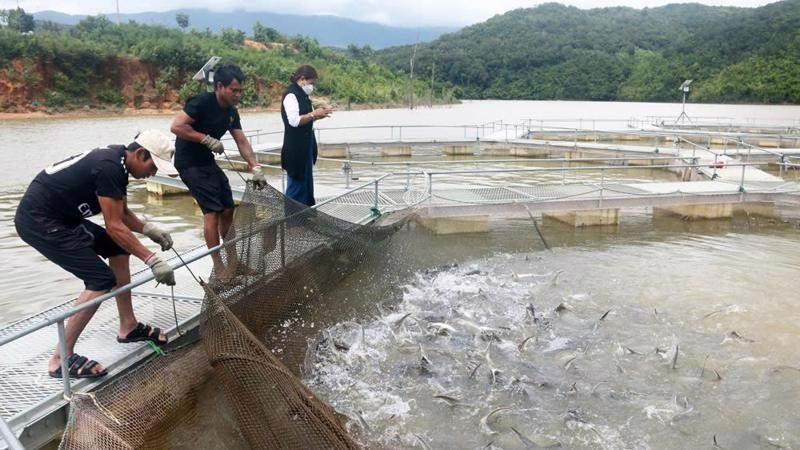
(559, 52)
(96, 63)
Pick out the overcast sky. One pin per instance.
(388, 12)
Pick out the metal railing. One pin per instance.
(602, 169)
(59, 319)
(374, 185)
(400, 133)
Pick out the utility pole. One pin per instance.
(117, 12)
(411, 78)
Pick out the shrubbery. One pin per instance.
(83, 60)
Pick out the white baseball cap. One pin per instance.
(160, 148)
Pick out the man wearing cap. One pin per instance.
(204, 120)
(52, 218)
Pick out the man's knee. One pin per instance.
(101, 282)
(227, 214)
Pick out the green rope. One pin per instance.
(156, 348)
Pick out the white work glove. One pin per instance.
(259, 181)
(213, 144)
(157, 235)
(162, 271)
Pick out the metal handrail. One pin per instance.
(601, 168)
(490, 161)
(147, 278)
(5, 431)
(9, 436)
(667, 132)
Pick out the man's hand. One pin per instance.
(259, 181)
(213, 144)
(157, 235)
(162, 271)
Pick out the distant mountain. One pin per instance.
(328, 30)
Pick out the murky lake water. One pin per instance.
(723, 293)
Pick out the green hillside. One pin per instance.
(559, 52)
(98, 62)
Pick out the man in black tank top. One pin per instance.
(204, 120)
(52, 218)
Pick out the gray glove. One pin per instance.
(162, 271)
(157, 235)
(259, 181)
(213, 144)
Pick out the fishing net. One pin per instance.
(241, 370)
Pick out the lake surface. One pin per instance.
(722, 295)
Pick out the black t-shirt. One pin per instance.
(209, 118)
(66, 192)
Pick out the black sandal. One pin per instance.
(79, 367)
(141, 333)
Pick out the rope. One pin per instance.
(172, 291)
(233, 168)
(535, 225)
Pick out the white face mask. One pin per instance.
(308, 88)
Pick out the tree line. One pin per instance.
(70, 66)
(558, 52)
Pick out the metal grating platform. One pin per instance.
(24, 381)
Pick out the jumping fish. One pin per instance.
(554, 281)
(629, 350)
(521, 345)
(423, 357)
(485, 333)
(363, 422)
(675, 356)
(490, 418)
(422, 441)
(400, 321)
(569, 362)
(474, 370)
(492, 369)
(440, 328)
(703, 370)
(739, 337)
(530, 313)
(530, 445)
(563, 306)
(451, 401)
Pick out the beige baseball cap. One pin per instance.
(161, 149)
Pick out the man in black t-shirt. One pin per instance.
(52, 218)
(204, 120)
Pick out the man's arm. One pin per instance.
(131, 220)
(182, 127)
(115, 217)
(244, 147)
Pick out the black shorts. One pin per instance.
(209, 186)
(74, 249)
